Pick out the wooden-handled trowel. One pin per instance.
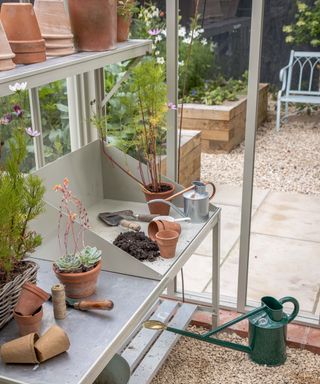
(114, 220)
(86, 305)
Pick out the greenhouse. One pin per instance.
(160, 191)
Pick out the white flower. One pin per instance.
(182, 32)
(158, 38)
(164, 32)
(181, 63)
(157, 53)
(201, 30)
(204, 41)
(18, 87)
(160, 60)
(154, 47)
(155, 13)
(187, 40)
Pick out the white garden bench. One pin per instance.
(300, 81)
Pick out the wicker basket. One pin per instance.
(10, 292)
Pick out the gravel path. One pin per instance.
(285, 161)
(196, 362)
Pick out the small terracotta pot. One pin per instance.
(167, 242)
(60, 51)
(6, 54)
(20, 350)
(31, 298)
(160, 225)
(22, 15)
(25, 46)
(159, 208)
(123, 27)
(78, 285)
(29, 324)
(94, 24)
(52, 343)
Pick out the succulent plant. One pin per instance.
(69, 264)
(89, 256)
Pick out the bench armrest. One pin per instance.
(283, 76)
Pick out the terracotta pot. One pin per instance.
(159, 225)
(20, 350)
(22, 14)
(60, 51)
(78, 285)
(25, 46)
(31, 298)
(29, 324)
(52, 343)
(6, 54)
(167, 242)
(159, 208)
(94, 24)
(123, 27)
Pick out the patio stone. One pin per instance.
(277, 268)
(197, 273)
(291, 215)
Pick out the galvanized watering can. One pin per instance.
(195, 201)
(267, 331)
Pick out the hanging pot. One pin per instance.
(94, 24)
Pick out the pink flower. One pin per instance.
(154, 32)
(6, 119)
(172, 106)
(18, 111)
(32, 132)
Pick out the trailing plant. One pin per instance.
(306, 29)
(126, 8)
(74, 217)
(20, 195)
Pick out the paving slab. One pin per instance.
(278, 267)
(227, 194)
(290, 215)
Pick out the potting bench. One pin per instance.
(134, 286)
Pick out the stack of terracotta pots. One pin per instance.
(166, 235)
(55, 27)
(28, 311)
(22, 30)
(6, 54)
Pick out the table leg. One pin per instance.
(215, 273)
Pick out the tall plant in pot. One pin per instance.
(79, 267)
(125, 10)
(20, 202)
(147, 104)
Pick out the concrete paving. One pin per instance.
(284, 249)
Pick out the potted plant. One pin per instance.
(78, 269)
(125, 10)
(20, 202)
(147, 105)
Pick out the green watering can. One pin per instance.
(267, 331)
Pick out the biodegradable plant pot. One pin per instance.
(22, 14)
(159, 208)
(160, 225)
(54, 24)
(94, 24)
(78, 285)
(6, 54)
(29, 324)
(31, 298)
(21, 350)
(52, 343)
(123, 27)
(167, 242)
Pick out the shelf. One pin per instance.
(62, 67)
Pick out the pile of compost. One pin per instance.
(138, 245)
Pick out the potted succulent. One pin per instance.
(78, 270)
(125, 9)
(20, 202)
(147, 105)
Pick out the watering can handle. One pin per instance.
(296, 307)
(213, 188)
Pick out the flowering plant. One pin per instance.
(20, 195)
(126, 8)
(306, 29)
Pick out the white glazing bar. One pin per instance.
(249, 155)
(74, 107)
(89, 96)
(172, 12)
(36, 125)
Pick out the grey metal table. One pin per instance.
(95, 336)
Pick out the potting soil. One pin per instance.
(138, 245)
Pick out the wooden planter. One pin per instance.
(222, 126)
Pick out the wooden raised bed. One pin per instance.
(222, 126)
